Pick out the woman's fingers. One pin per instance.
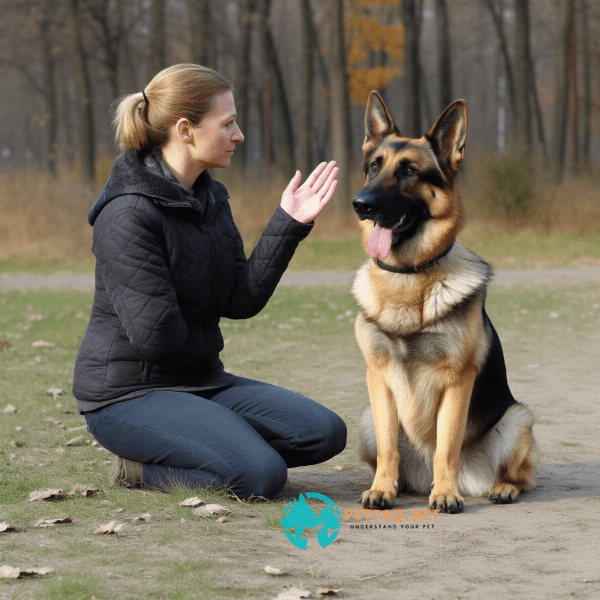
(324, 175)
(327, 185)
(315, 174)
(329, 194)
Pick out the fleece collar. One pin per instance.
(147, 174)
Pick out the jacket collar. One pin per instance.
(146, 174)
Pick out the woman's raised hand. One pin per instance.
(304, 203)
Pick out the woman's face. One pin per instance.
(217, 134)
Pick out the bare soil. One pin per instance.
(546, 545)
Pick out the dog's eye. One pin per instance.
(374, 167)
(410, 171)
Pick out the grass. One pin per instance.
(303, 340)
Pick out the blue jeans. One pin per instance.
(243, 437)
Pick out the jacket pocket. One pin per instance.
(146, 370)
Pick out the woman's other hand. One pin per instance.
(304, 203)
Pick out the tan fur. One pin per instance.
(424, 341)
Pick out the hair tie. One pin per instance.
(145, 97)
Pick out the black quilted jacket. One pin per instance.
(170, 263)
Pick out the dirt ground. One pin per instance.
(546, 545)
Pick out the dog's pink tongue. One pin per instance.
(380, 242)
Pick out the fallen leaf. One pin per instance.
(4, 345)
(328, 591)
(54, 422)
(78, 441)
(84, 490)
(195, 501)
(222, 520)
(17, 444)
(18, 428)
(47, 494)
(142, 518)
(43, 344)
(6, 527)
(210, 510)
(51, 522)
(56, 392)
(8, 572)
(76, 428)
(293, 594)
(109, 528)
(346, 468)
(274, 571)
(9, 408)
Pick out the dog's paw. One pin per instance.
(504, 493)
(448, 503)
(377, 499)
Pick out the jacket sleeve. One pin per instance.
(258, 276)
(128, 248)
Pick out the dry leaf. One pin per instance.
(142, 518)
(9, 408)
(17, 444)
(346, 468)
(60, 450)
(195, 501)
(78, 441)
(18, 428)
(109, 528)
(54, 422)
(8, 572)
(4, 345)
(47, 494)
(210, 510)
(43, 344)
(328, 591)
(84, 490)
(56, 392)
(6, 527)
(274, 571)
(75, 428)
(51, 522)
(293, 594)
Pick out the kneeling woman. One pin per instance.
(170, 263)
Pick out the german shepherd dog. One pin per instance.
(441, 409)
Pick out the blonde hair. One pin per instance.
(142, 120)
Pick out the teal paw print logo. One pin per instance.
(298, 516)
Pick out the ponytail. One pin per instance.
(142, 120)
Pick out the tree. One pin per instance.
(157, 50)
(523, 83)
(444, 54)
(83, 91)
(411, 19)
(340, 105)
(561, 106)
(307, 77)
(201, 39)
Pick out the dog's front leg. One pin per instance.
(451, 424)
(385, 417)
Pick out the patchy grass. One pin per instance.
(303, 340)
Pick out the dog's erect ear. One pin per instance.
(378, 122)
(450, 132)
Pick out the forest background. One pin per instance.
(302, 71)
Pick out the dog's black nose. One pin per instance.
(362, 207)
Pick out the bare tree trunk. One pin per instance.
(278, 96)
(561, 107)
(243, 79)
(157, 40)
(587, 84)
(199, 11)
(307, 78)
(498, 21)
(522, 76)
(49, 86)
(83, 92)
(539, 119)
(410, 11)
(444, 57)
(340, 107)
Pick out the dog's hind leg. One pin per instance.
(518, 473)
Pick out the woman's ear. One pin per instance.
(184, 130)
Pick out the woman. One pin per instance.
(169, 264)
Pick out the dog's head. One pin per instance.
(408, 207)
